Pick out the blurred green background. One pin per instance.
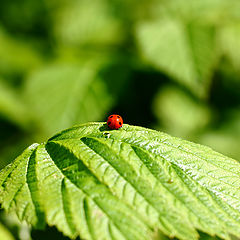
(171, 65)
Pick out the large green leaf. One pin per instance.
(124, 184)
(184, 51)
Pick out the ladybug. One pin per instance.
(114, 121)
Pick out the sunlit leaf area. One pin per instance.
(168, 65)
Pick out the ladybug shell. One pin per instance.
(114, 121)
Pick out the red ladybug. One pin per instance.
(114, 121)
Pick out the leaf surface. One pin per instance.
(124, 184)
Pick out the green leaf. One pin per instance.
(64, 94)
(229, 41)
(5, 234)
(124, 184)
(20, 191)
(16, 56)
(88, 23)
(226, 137)
(12, 107)
(179, 113)
(214, 12)
(184, 51)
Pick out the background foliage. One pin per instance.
(169, 65)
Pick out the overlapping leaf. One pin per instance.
(124, 184)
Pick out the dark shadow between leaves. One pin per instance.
(104, 128)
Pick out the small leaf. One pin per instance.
(61, 95)
(5, 234)
(226, 137)
(179, 113)
(12, 107)
(16, 56)
(229, 41)
(83, 22)
(184, 51)
(124, 184)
